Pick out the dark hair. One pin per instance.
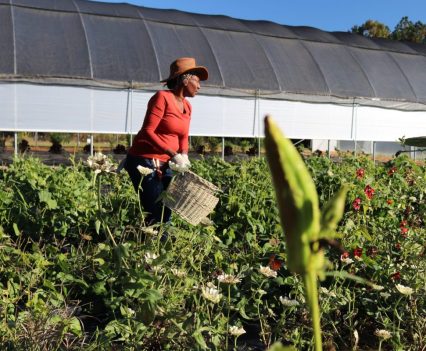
(171, 83)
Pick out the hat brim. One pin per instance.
(200, 71)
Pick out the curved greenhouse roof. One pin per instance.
(78, 42)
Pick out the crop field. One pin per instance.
(80, 271)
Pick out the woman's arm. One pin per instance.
(154, 114)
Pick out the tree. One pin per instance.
(405, 30)
(372, 29)
(409, 31)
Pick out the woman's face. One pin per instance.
(191, 86)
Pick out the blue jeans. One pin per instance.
(150, 188)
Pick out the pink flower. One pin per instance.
(360, 173)
(369, 192)
(356, 204)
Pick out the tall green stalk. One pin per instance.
(303, 224)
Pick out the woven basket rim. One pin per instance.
(191, 197)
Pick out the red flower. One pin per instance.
(274, 264)
(344, 256)
(392, 171)
(358, 252)
(369, 192)
(360, 173)
(356, 204)
(404, 231)
(389, 201)
(398, 246)
(396, 276)
(403, 223)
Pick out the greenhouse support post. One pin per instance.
(328, 148)
(91, 144)
(373, 151)
(257, 113)
(16, 143)
(223, 148)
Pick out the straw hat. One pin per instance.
(186, 65)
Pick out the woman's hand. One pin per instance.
(178, 159)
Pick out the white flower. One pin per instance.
(346, 260)
(287, 302)
(130, 311)
(384, 334)
(405, 290)
(228, 279)
(157, 269)
(150, 231)
(377, 287)
(100, 163)
(211, 294)
(211, 285)
(385, 295)
(144, 170)
(267, 272)
(236, 331)
(327, 292)
(149, 257)
(178, 273)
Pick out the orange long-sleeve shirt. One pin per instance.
(164, 127)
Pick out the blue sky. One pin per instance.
(329, 15)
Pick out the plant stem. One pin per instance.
(227, 317)
(310, 281)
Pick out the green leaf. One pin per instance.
(200, 339)
(74, 326)
(16, 230)
(333, 210)
(280, 347)
(97, 226)
(99, 288)
(46, 197)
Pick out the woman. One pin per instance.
(164, 137)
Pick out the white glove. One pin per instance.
(180, 163)
(178, 160)
(186, 160)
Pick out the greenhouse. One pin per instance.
(90, 67)
(172, 247)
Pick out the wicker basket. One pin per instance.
(191, 197)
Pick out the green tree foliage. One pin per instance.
(405, 30)
(409, 31)
(372, 29)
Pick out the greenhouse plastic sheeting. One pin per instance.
(31, 107)
(77, 42)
